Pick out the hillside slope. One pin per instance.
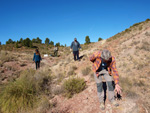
(132, 51)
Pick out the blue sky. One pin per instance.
(63, 20)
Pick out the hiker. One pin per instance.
(37, 58)
(55, 50)
(75, 45)
(103, 66)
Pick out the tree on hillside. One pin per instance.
(17, 44)
(0, 43)
(87, 40)
(21, 40)
(27, 42)
(51, 43)
(34, 40)
(57, 44)
(38, 40)
(65, 45)
(47, 41)
(10, 41)
(99, 39)
(31, 44)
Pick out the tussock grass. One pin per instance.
(73, 86)
(19, 96)
(72, 70)
(6, 56)
(127, 87)
(23, 94)
(145, 45)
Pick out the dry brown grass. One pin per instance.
(86, 71)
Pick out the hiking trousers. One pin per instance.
(109, 83)
(55, 53)
(37, 63)
(76, 54)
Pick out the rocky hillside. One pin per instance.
(132, 51)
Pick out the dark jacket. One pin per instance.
(75, 46)
(36, 58)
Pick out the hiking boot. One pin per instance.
(102, 106)
(114, 103)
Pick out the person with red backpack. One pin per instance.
(104, 65)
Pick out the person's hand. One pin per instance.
(118, 89)
(97, 74)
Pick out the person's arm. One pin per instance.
(40, 57)
(94, 56)
(115, 72)
(34, 57)
(79, 45)
(71, 45)
(116, 78)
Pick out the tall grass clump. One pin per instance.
(73, 86)
(127, 87)
(24, 93)
(18, 96)
(6, 56)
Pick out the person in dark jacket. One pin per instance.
(75, 45)
(37, 58)
(55, 51)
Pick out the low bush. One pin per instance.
(73, 86)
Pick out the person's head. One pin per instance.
(106, 55)
(37, 51)
(75, 39)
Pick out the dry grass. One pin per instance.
(86, 71)
(72, 70)
(73, 86)
(6, 56)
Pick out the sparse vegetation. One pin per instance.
(127, 87)
(145, 45)
(6, 56)
(71, 71)
(73, 86)
(86, 71)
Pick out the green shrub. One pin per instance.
(24, 94)
(73, 86)
(99, 39)
(18, 96)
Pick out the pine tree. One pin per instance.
(87, 40)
